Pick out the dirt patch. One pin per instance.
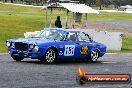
(124, 26)
(99, 26)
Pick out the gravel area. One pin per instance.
(124, 26)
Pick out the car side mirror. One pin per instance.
(91, 39)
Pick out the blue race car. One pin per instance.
(54, 44)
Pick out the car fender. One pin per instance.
(94, 49)
(44, 49)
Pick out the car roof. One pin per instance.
(63, 29)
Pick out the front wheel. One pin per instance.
(50, 56)
(17, 58)
(94, 55)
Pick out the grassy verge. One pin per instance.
(127, 44)
(14, 28)
(15, 20)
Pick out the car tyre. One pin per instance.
(94, 55)
(17, 58)
(50, 56)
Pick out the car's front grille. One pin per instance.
(21, 46)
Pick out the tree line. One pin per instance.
(28, 2)
(106, 3)
(100, 3)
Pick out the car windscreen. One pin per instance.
(51, 34)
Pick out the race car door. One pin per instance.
(71, 46)
(85, 44)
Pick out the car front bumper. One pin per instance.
(25, 54)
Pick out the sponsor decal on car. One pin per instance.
(84, 49)
(60, 53)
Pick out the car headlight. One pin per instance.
(7, 44)
(12, 44)
(36, 48)
(31, 46)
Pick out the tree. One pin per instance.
(11, 1)
(99, 3)
(91, 2)
(106, 3)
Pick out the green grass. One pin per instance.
(14, 8)
(110, 16)
(15, 20)
(127, 44)
(14, 23)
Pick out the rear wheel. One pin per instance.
(50, 56)
(94, 55)
(17, 58)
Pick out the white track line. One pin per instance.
(3, 53)
(108, 62)
(111, 53)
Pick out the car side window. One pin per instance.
(83, 37)
(72, 36)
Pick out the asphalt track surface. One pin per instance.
(34, 74)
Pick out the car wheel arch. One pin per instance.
(53, 47)
(95, 49)
(98, 51)
(46, 50)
